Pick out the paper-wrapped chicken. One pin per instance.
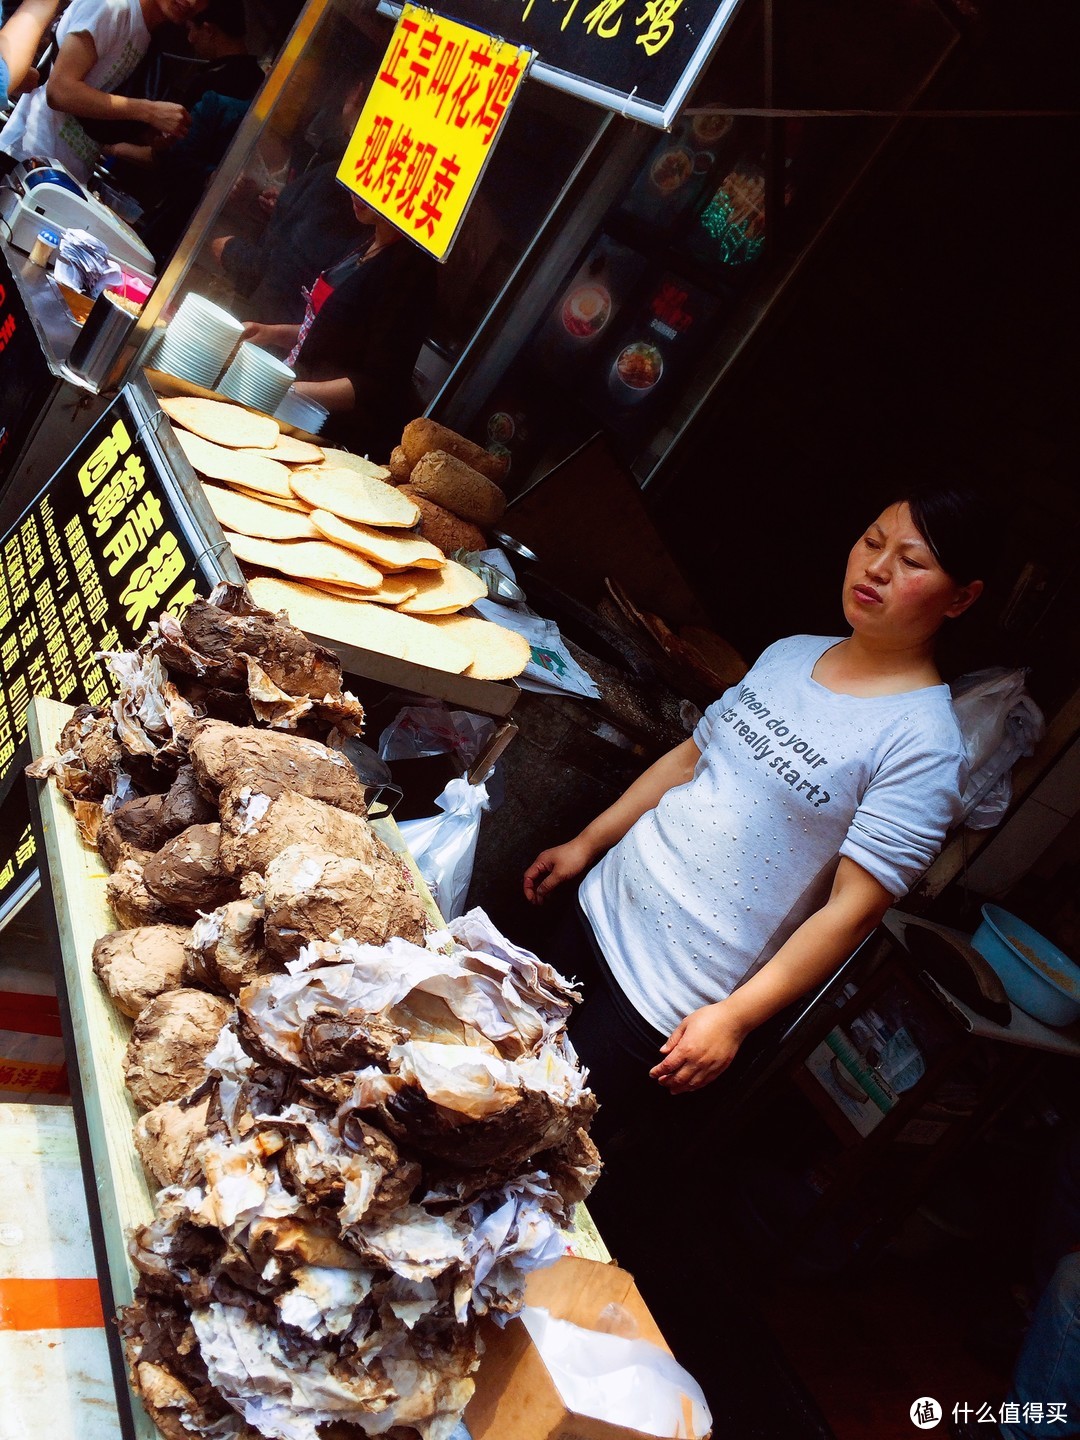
(136, 966)
(312, 894)
(232, 756)
(172, 1038)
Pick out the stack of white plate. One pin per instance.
(305, 414)
(256, 378)
(198, 341)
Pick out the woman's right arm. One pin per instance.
(564, 862)
(282, 337)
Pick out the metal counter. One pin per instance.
(44, 410)
(54, 324)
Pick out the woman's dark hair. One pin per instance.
(959, 526)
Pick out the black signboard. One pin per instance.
(25, 377)
(639, 57)
(88, 565)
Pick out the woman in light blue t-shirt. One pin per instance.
(20, 40)
(744, 867)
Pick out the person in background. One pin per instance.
(228, 71)
(181, 172)
(169, 175)
(20, 41)
(217, 38)
(311, 225)
(100, 44)
(355, 349)
(268, 26)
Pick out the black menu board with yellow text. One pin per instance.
(101, 552)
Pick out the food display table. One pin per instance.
(120, 1194)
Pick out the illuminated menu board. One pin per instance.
(88, 565)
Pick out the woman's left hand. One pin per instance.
(699, 1049)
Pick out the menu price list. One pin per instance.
(93, 560)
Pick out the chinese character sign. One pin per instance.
(636, 56)
(95, 558)
(431, 120)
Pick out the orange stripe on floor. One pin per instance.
(50, 1305)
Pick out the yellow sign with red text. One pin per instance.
(432, 116)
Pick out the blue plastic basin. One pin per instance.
(1037, 976)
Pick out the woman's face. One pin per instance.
(894, 588)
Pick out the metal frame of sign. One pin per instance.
(661, 117)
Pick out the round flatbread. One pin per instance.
(387, 550)
(497, 652)
(370, 627)
(445, 591)
(235, 467)
(346, 460)
(292, 451)
(279, 502)
(306, 560)
(257, 518)
(353, 497)
(222, 423)
(392, 591)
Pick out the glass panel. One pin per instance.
(275, 218)
(688, 258)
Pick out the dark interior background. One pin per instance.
(932, 335)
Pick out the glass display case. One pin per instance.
(646, 286)
(274, 216)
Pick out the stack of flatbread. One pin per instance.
(337, 544)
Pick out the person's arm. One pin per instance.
(66, 89)
(242, 261)
(281, 337)
(704, 1044)
(564, 862)
(337, 395)
(136, 154)
(20, 38)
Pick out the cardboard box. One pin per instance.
(515, 1398)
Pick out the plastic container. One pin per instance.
(98, 343)
(1037, 976)
(305, 414)
(44, 247)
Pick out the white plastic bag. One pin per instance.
(999, 722)
(444, 845)
(624, 1382)
(551, 668)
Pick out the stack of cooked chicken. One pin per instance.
(366, 1130)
